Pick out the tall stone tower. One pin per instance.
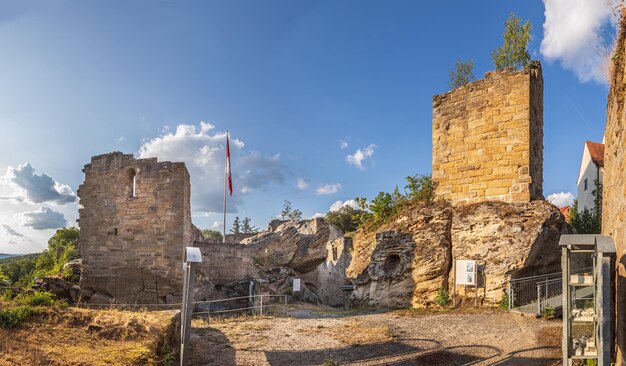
(488, 138)
(135, 220)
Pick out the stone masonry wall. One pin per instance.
(614, 185)
(488, 138)
(132, 247)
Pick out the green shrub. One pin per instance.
(6, 294)
(14, 316)
(443, 297)
(504, 303)
(37, 298)
(548, 312)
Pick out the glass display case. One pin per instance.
(587, 270)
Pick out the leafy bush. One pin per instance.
(443, 297)
(548, 312)
(37, 298)
(385, 206)
(346, 218)
(420, 188)
(504, 303)
(69, 275)
(14, 316)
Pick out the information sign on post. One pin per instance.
(193, 256)
(296, 285)
(465, 272)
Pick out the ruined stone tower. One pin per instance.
(135, 220)
(488, 138)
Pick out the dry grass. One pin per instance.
(356, 333)
(88, 337)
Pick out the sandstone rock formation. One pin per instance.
(515, 240)
(312, 250)
(406, 262)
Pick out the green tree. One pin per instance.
(236, 229)
(346, 218)
(246, 226)
(212, 234)
(381, 206)
(463, 73)
(420, 188)
(4, 279)
(586, 221)
(514, 53)
(288, 213)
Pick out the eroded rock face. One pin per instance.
(312, 250)
(406, 262)
(514, 239)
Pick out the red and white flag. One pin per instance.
(228, 176)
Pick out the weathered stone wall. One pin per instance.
(332, 273)
(488, 138)
(614, 184)
(132, 246)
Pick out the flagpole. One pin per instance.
(225, 167)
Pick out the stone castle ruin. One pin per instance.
(488, 138)
(135, 219)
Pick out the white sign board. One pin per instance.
(194, 255)
(296, 284)
(465, 272)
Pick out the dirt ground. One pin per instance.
(406, 337)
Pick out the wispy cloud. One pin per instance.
(343, 144)
(572, 34)
(358, 158)
(328, 189)
(302, 184)
(10, 231)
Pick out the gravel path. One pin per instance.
(488, 337)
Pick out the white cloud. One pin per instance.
(337, 205)
(44, 218)
(343, 144)
(202, 151)
(216, 225)
(317, 214)
(328, 189)
(359, 157)
(302, 184)
(572, 34)
(561, 199)
(24, 184)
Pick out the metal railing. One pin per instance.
(549, 294)
(535, 293)
(255, 304)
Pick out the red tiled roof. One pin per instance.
(565, 210)
(597, 152)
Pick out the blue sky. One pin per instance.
(292, 81)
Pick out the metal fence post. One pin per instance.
(538, 299)
(261, 305)
(510, 290)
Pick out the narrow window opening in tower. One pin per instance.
(132, 181)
